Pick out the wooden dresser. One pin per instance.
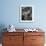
(23, 38)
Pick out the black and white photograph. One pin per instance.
(26, 13)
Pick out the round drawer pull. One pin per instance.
(11, 38)
(33, 39)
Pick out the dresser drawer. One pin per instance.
(37, 39)
(13, 33)
(37, 44)
(34, 33)
(13, 44)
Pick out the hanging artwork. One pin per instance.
(26, 13)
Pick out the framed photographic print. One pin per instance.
(26, 13)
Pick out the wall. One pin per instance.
(10, 13)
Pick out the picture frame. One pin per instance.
(26, 13)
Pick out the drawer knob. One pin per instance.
(33, 39)
(11, 38)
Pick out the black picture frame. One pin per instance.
(26, 13)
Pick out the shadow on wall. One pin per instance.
(2, 26)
